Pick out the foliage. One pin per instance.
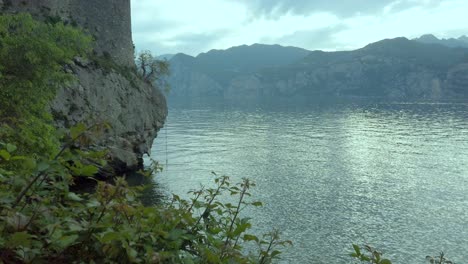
(370, 256)
(375, 257)
(152, 70)
(32, 56)
(41, 220)
(440, 259)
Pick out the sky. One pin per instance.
(196, 26)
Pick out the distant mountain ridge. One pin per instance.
(225, 64)
(461, 42)
(207, 73)
(393, 68)
(165, 57)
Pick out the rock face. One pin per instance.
(394, 69)
(134, 110)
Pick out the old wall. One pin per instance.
(109, 21)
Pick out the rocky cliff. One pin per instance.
(106, 88)
(395, 69)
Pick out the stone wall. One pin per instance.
(109, 21)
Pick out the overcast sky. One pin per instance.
(195, 26)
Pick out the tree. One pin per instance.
(152, 70)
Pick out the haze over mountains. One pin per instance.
(425, 68)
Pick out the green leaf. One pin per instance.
(250, 238)
(10, 148)
(29, 163)
(132, 254)
(93, 203)
(357, 249)
(5, 155)
(19, 158)
(67, 241)
(88, 170)
(75, 227)
(257, 204)
(74, 197)
(42, 166)
(187, 260)
(77, 130)
(385, 261)
(275, 253)
(19, 239)
(17, 221)
(176, 234)
(110, 236)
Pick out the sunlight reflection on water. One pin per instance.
(395, 176)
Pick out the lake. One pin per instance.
(391, 175)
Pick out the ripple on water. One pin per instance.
(393, 175)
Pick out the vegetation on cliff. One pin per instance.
(32, 56)
(153, 70)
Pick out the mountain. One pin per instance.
(208, 73)
(226, 64)
(165, 57)
(391, 69)
(450, 42)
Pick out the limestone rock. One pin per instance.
(135, 112)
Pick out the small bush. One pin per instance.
(41, 220)
(153, 71)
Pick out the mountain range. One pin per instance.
(425, 68)
(450, 42)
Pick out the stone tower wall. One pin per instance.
(109, 21)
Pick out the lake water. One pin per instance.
(391, 175)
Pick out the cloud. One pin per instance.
(183, 25)
(341, 8)
(439, 18)
(315, 39)
(193, 27)
(304, 7)
(190, 43)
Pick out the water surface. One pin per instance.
(392, 175)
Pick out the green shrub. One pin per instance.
(153, 71)
(41, 220)
(440, 259)
(32, 56)
(373, 256)
(370, 255)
